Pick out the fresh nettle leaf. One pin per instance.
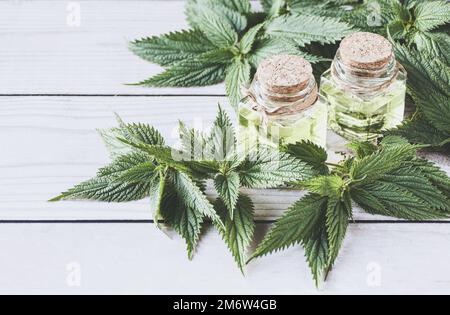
(383, 180)
(239, 228)
(310, 153)
(238, 75)
(167, 50)
(305, 29)
(174, 179)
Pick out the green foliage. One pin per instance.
(174, 180)
(239, 227)
(385, 180)
(227, 41)
(310, 153)
(305, 29)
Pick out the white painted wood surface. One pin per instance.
(136, 258)
(57, 85)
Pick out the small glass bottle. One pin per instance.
(282, 105)
(365, 88)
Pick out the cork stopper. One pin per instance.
(284, 74)
(366, 51)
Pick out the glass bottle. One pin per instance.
(282, 105)
(365, 88)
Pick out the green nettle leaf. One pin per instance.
(222, 139)
(432, 14)
(310, 153)
(267, 47)
(192, 196)
(419, 131)
(303, 223)
(267, 168)
(331, 186)
(305, 29)
(156, 192)
(338, 213)
(228, 188)
(140, 133)
(241, 6)
(230, 13)
(363, 149)
(106, 187)
(219, 32)
(238, 75)
(169, 49)
(428, 83)
(384, 180)
(187, 221)
(249, 39)
(239, 228)
(376, 165)
(273, 7)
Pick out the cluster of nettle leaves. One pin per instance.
(388, 180)
(227, 40)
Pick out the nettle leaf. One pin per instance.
(267, 168)
(141, 133)
(435, 44)
(230, 13)
(239, 228)
(189, 73)
(238, 75)
(362, 149)
(192, 196)
(169, 49)
(331, 185)
(273, 7)
(156, 192)
(377, 164)
(228, 188)
(305, 29)
(436, 108)
(419, 131)
(433, 173)
(242, 6)
(295, 226)
(431, 14)
(338, 214)
(311, 154)
(390, 200)
(416, 182)
(106, 186)
(304, 223)
(187, 221)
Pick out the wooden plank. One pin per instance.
(44, 54)
(51, 144)
(139, 259)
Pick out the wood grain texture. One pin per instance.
(45, 55)
(139, 259)
(52, 144)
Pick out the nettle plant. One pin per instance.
(174, 179)
(385, 180)
(227, 41)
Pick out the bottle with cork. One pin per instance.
(282, 105)
(365, 88)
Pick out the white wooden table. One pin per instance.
(58, 82)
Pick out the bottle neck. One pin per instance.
(276, 104)
(364, 82)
